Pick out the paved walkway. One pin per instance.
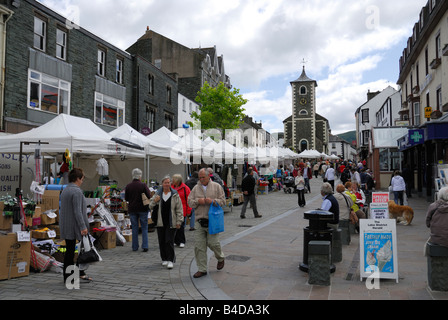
(262, 264)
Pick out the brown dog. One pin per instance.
(403, 214)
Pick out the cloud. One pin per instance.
(265, 40)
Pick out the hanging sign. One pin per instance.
(428, 111)
(378, 248)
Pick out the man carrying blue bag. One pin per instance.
(205, 194)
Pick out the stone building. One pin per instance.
(305, 128)
(424, 94)
(52, 66)
(190, 67)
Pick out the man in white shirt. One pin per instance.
(354, 176)
(329, 175)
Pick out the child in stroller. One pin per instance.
(289, 185)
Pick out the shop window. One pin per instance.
(390, 159)
(109, 111)
(47, 93)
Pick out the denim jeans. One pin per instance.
(398, 197)
(143, 218)
(192, 219)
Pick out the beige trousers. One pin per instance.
(203, 240)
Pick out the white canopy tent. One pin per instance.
(78, 135)
(309, 154)
(84, 139)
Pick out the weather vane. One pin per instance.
(304, 62)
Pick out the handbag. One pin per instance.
(145, 201)
(215, 219)
(87, 255)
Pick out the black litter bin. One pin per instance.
(317, 230)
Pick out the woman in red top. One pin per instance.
(360, 196)
(184, 192)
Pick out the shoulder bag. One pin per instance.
(86, 254)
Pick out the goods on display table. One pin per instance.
(33, 242)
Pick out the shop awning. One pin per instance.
(412, 138)
(437, 129)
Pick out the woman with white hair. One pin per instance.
(168, 215)
(437, 219)
(136, 209)
(330, 203)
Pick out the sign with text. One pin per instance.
(378, 248)
(380, 197)
(379, 211)
(428, 111)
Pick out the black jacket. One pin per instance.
(248, 184)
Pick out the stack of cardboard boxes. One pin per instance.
(14, 254)
(43, 224)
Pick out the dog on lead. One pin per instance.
(403, 214)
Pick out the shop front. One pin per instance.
(384, 154)
(425, 150)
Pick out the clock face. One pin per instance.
(302, 101)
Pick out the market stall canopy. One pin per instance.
(166, 144)
(191, 142)
(128, 135)
(79, 135)
(310, 154)
(334, 157)
(227, 153)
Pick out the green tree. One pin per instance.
(220, 108)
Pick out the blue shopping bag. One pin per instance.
(215, 219)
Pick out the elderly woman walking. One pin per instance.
(169, 216)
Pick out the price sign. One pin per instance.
(23, 236)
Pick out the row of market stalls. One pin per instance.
(107, 160)
(314, 154)
(159, 154)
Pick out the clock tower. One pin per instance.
(303, 129)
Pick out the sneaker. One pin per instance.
(182, 245)
(164, 263)
(170, 265)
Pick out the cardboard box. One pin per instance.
(39, 218)
(40, 234)
(5, 222)
(50, 200)
(127, 234)
(106, 239)
(14, 257)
